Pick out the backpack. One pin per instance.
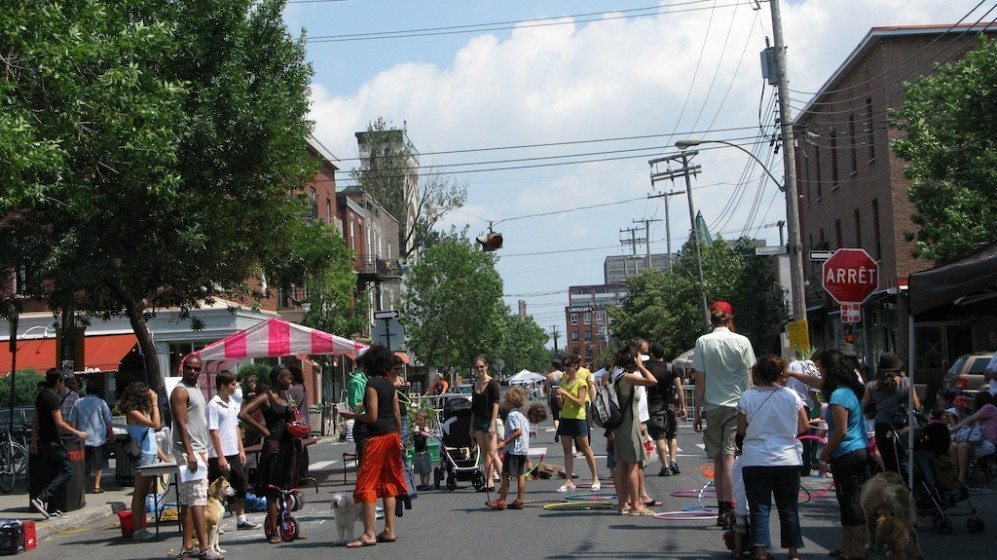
(606, 411)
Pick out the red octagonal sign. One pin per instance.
(850, 275)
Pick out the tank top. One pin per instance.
(385, 423)
(196, 421)
(275, 416)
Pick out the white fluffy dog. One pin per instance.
(346, 513)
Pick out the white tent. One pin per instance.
(683, 360)
(526, 377)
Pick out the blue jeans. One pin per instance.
(760, 484)
(55, 454)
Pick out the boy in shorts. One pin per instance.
(517, 445)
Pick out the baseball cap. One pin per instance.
(722, 306)
(962, 401)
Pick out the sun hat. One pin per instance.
(889, 361)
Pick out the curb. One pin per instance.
(68, 522)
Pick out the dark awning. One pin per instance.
(966, 282)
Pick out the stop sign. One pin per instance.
(850, 275)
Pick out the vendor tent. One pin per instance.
(526, 377)
(274, 338)
(683, 361)
(968, 285)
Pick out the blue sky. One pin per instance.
(684, 68)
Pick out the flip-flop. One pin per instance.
(360, 543)
(654, 503)
(382, 538)
(97, 491)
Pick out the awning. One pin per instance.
(275, 338)
(103, 352)
(403, 356)
(967, 282)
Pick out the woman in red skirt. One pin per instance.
(380, 472)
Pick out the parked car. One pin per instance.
(966, 374)
(464, 389)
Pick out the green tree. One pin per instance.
(452, 308)
(156, 144)
(950, 124)
(417, 198)
(25, 389)
(524, 344)
(666, 308)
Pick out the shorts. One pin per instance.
(95, 458)
(985, 448)
(721, 426)
(236, 475)
(662, 425)
(479, 425)
(513, 466)
(573, 427)
(145, 460)
(193, 492)
(422, 462)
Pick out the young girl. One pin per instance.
(518, 444)
(422, 463)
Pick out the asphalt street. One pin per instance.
(457, 524)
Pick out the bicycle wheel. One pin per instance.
(8, 476)
(19, 457)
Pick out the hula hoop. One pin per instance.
(591, 498)
(576, 496)
(579, 506)
(696, 515)
(980, 491)
(589, 485)
(694, 493)
(819, 439)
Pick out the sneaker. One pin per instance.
(192, 552)
(557, 438)
(143, 535)
(211, 555)
(247, 525)
(674, 467)
(566, 487)
(664, 472)
(496, 504)
(41, 507)
(518, 504)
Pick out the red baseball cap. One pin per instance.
(723, 307)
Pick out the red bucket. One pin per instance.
(127, 523)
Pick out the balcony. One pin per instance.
(376, 270)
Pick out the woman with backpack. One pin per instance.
(628, 451)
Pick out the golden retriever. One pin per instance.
(886, 494)
(896, 536)
(218, 492)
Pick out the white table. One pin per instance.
(171, 470)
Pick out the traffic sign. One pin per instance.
(388, 332)
(388, 314)
(773, 250)
(850, 275)
(820, 255)
(851, 312)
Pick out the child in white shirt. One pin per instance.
(516, 445)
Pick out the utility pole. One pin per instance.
(633, 241)
(668, 224)
(555, 335)
(647, 239)
(686, 171)
(789, 167)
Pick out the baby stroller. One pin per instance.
(459, 454)
(937, 491)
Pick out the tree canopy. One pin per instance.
(452, 308)
(950, 143)
(524, 344)
(148, 151)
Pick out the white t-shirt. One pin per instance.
(725, 358)
(992, 369)
(802, 389)
(770, 440)
(224, 417)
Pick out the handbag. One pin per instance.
(649, 449)
(969, 434)
(297, 426)
(134, 449)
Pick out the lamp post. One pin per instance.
(792, 227)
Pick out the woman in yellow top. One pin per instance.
(572, 394)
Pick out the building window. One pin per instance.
(588, 336)
(858, 228)
(837, 234)
(870, 137)
(875, 228)
(574, 318)
(313, 202)
(853, 145)
(817, 172)
(600, 317)
(587, 318)
(834, 159)
(328, 209)
(574, 336)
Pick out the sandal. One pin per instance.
(596, 486)
(642, 512)
(566, 487)
(382, 538)
(654, 503)
(360, 543)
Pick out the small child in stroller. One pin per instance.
(517, 445)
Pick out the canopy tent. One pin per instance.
(274, 338)
(968, 285)
(683, 361)
(526, 377)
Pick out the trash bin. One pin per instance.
(124, 466)
(315, 418)
(72, 495)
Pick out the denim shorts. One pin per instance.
(480, 425)
(145, 460)
(572, 427)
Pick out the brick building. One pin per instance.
(587, 320)
(852, 192)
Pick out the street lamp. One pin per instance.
(792, 226)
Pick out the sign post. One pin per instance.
(388, 330)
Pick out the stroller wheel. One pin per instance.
(437, 476)
(451, 483)
(478, 481)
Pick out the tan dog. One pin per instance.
(219, 492)
(886, 494)
(896, 536)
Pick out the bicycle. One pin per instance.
(287, 526)
(13, 461)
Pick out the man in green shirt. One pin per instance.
(355, 389)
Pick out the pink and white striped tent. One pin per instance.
(274, 338)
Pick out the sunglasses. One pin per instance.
(481, 367)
